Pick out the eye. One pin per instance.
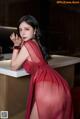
(27, 29)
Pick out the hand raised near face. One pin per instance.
(15, 39)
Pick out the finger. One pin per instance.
(16, 37)
(20, 39)
(13, 36)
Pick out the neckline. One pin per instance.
(26, 41)
(30, 40)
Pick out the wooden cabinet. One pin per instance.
(13, 94)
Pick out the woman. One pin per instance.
(49, 95)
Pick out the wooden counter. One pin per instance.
(14, 84)
(13, 94)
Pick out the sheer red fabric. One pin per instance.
(47, 87)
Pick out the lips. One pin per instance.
(24, 37)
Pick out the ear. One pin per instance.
(34, 31)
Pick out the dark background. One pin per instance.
(60, 24)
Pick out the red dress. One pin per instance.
(47, 87)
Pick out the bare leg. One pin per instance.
(34, 113)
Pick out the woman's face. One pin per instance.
(26, 31)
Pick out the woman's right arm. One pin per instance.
(18, 58)
(18, 55)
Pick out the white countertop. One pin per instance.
(61, 61)
(56, 61)
(6, 70)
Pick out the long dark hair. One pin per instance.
(34, 23)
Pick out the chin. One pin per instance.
(25, 39)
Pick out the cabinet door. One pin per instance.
(3, 91)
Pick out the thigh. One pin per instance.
(50, 100)
(34, 112)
